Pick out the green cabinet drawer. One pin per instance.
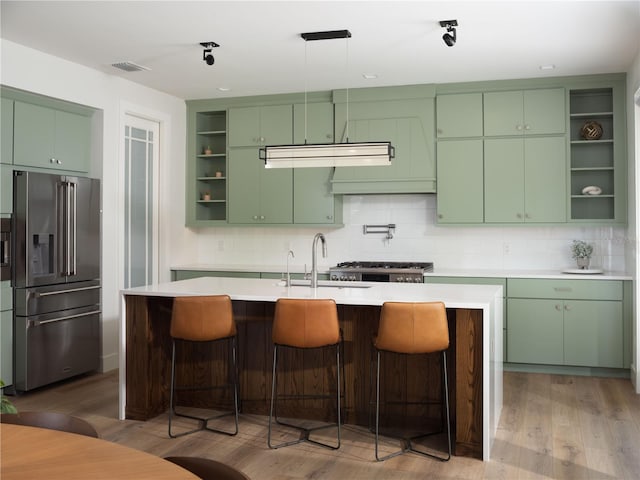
(459, 115)
(564, 289)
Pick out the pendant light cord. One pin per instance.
(305, 92)
(347, 82)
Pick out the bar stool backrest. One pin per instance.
(413, 327)
(306, 323)
(202, 318)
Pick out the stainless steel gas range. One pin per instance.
(401, 272)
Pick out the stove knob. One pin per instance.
(334, 277)
(400, 279)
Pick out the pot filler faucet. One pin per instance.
(314, 263)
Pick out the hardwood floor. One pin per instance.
(552, 426)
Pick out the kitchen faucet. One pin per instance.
(289, 254)
(314, 263)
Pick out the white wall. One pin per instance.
(34, 71)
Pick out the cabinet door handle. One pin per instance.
(255, 217)
(563, 289)
(519, 127)
(527, 127)
(440, 216)
(261, 217)
(558, 307)
(567, 308)
(526, 215)
(329, 217)
(518, 215)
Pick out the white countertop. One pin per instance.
(438, 272)
(548, 274)
(352, 293)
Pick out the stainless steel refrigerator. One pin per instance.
(56, 277)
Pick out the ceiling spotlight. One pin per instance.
(449, 40)
(206, 55)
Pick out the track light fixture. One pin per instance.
(449, 40)
(206, 55)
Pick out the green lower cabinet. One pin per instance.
(6, 332)
(188, 274)
(565, 332)
(593, 333)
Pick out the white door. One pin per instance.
(141, 145)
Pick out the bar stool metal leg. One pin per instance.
(304, 432)
(203, 423)
(408, 447)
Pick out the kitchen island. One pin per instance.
(475, 356)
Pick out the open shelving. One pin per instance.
(592, 161)
(211, 166)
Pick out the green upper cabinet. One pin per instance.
(409, 124)
(6, 134)
(260, 125)
(525, 112)
(525, 180)
(258, 195)
(460, 186)
(459, 115)
(313, 122)
(313, 202)
(49, 138)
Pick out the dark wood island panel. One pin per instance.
(413, 379)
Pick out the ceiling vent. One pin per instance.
(129, 66)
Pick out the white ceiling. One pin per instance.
(261, 51)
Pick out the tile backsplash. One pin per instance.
(417, 237)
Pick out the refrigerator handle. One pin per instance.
(73, 188)
(37, 323)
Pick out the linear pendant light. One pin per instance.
(346, 154)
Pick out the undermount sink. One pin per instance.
(325, 283)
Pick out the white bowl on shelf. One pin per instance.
(591, 190)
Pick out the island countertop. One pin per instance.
(351, 293)
(474, 310)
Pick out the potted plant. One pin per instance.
(581, 251)
(206, 195)
(207, 150)
(5, 405)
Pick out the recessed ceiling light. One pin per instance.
(547, 67)
(369, 76)
(224, 89)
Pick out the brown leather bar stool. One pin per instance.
(305, 324)
(203, 319)
(413, 328)
(52, 421)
